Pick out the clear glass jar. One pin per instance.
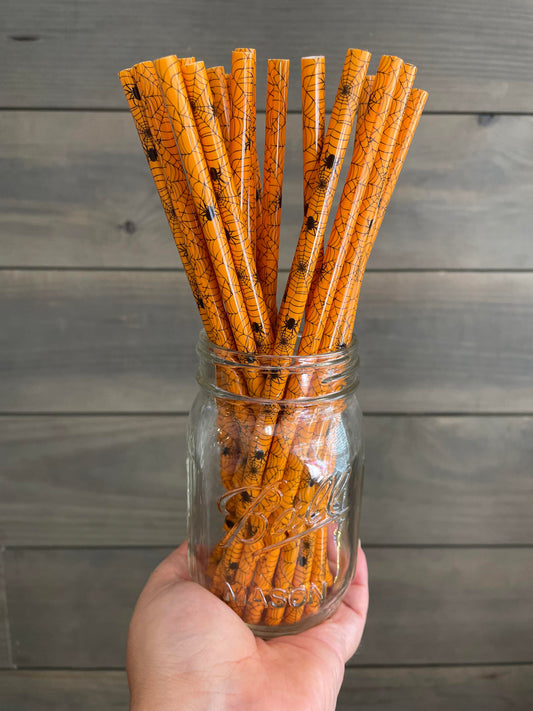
(274, 485)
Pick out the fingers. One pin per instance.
(174, 568)
(350, 619)
(343, 631)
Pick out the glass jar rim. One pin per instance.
(328, 367)
(266, 361)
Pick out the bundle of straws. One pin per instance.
(198, 130)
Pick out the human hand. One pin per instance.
(188, 650)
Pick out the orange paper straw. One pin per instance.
(254, 187)
(209, 131)
(306, 546)
(313, 127)
(174, 194)
(194, 251)
(242, 133)
(313, 120)
(314, 225)
(293, 304)
(354, 190)
(393, 149)
(402, 123)
(183, 224)
(377, 129)
(203, 195)
(221, 101)
(342, 316)
(267, 245)
(367, 142)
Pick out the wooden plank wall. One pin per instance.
(98, 331)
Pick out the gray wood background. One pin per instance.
(97, 335)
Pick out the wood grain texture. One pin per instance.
(5, 643)
(429, 606)
(480, 688)
(124, 342)
(447, 606)
(71, 608)
(64, 690)
(466, 56)
(69, 481)
(448, 480)
(93, 480)
(75, 191)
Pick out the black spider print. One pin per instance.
(290, 325)
(310, 224)
(244, 277)
(246, 497)
(346, 90)
(254, 466)
(152, 154)
(259, 455)
(301, 267)
(302, 561)
(275, 375)
(329, 160)
(269, 409)
(229, 235)
(216, 174)
(171, 214)
(257, 328)
(133, 92)
(207, 213)
(322, 184)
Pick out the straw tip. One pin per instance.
(165, 62)
(361, 54)
(191, 67)
(420, 94)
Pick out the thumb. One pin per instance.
(173, 569)
(344, 630)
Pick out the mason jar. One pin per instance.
(274, 485)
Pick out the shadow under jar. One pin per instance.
(275, 484)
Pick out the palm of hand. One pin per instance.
(188, 650)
